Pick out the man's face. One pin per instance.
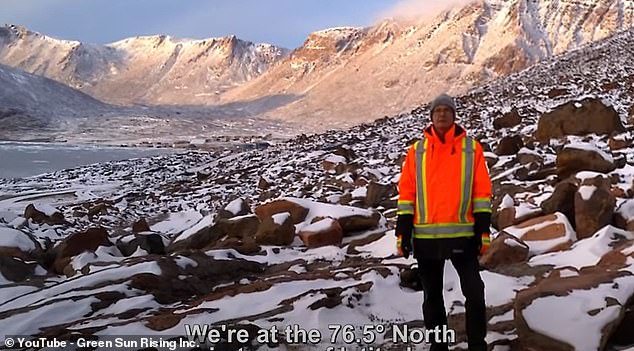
(442, 117)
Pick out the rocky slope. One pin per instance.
(349, 75)
(30, 102)
(301, 232)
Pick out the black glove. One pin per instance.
(404, 228)
(482, 225)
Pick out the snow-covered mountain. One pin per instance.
(153, 69)
(339, 76)
(30, 102)
(349, 75)
(301, 233)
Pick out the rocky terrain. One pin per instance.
(302, 232)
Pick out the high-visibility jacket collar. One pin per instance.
(454, 133)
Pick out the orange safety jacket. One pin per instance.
(443, 184)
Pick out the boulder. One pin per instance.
(237, 207)
(555, 92)
(594, 206)
(263, 184)
(509, 145)
(544, 234)
(15, 269)
(508, 216)
(298, 213)
(505, 249)
(75, 244)
(356, 223)
(152, 243)
(140, 226)
(346, 152)
(242, 227)
(20, 254)
(615, 143)
(624, 216)
(48, 215)
(334, 163)
(276, 230)
(583, 157)
(202, 234)
(578, 118)
(246, 246)
(321, 233)
(377, 193)
(410, 278)
(527, 156)
(508, 120)
(560, 291)
(562, 200)
(589, 287)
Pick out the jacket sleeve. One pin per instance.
(407, 184)
(481, 183)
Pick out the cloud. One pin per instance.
(416, 9)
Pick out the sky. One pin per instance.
(285, 23)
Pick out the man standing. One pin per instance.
(444, 212)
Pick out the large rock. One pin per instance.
(246, 246)
(334, 163)
(321, 233)
(276, 230)
(594, 206)
(377, 193)
(242, 227)
(48, 215)
(578, 118)
(532, 303)
(508, 120)
(543, 234)
(298, 213)
(152, 243)
(562, 200)
(205, 234)
(357, 223)
(140, 225)
(583, 157)
(509, 145)
(624, 216)
(237, 207)
(202, 234)
(505, 249)
(526, 156)
(589, 289)
(618, 143)
(508, 214)
(77, 243)
(20, 254)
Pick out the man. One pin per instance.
(444, 212)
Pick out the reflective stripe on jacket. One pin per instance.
(443, 184)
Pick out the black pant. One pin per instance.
(431, 272)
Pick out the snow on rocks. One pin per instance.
(324, 232)
(545, 234)
(594, 298)
(583, 157)
(587, 116)
(235, 279)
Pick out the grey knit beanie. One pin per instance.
(443, 99)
